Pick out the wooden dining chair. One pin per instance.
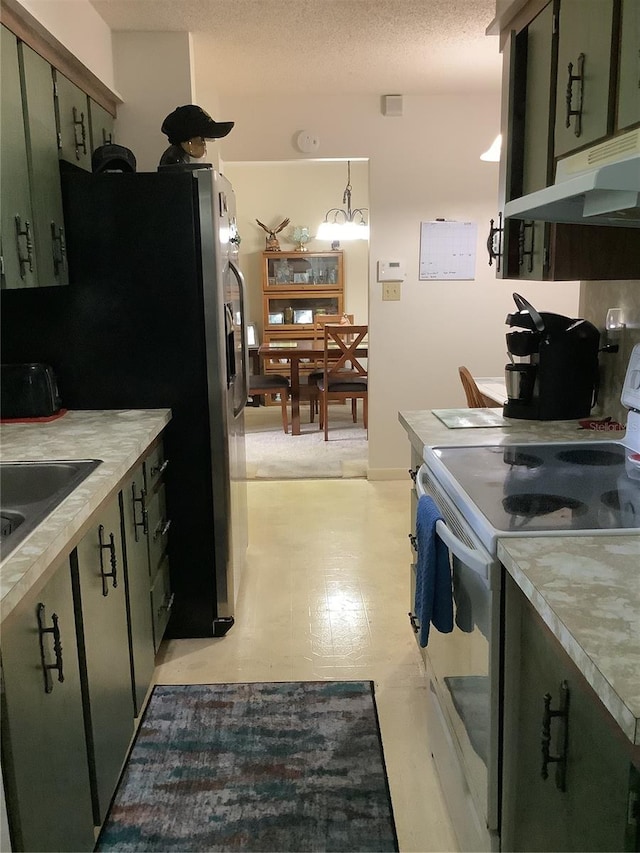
(344, 376)
(319, 322)
(475, 398)
(270, 384)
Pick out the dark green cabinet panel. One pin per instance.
(98, 571)
(629, 76)
(101, 125)
(46, 194)
(18, 258)
(585, 32)
(44, 755)
(586, 809)
(135, 528)
(72, 117)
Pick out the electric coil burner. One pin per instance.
(553, 488)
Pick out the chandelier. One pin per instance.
(341, 224)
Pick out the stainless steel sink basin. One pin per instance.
(29, 491)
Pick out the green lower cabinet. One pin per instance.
(44, 754)
(135, 527)
(99, 583)
(569, 782)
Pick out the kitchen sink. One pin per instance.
(29, 491)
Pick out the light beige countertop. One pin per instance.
(586, 589)
(118, 438)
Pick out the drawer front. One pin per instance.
(161, 601)
(159, 526)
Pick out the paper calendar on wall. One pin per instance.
(448, 250)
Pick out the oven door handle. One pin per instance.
(475, 560)
(472, 559)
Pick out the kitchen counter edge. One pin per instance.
(117, 437)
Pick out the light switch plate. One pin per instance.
(391, 291)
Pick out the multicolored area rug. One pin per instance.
(287, 766)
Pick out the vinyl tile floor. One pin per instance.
(325, 595)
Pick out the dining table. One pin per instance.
(296, 353)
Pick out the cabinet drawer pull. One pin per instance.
(574, 78)
(157, 470)
(562, 713)
(522, 251)
(162, 528)
(142, 500)
(111, 547)
(25, 260)
(57, 648)
(82, 142)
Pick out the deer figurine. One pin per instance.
(272, 244)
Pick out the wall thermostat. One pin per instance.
(391, 271)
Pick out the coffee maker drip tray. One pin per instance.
(544, 488)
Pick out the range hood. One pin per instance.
(598, 186)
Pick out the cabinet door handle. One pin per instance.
(415, 625)
(25, 260)
(575, 78)
(523, 252)
(157, 470)
(57, 647)
(413, 473)
(111, 547)
(82, 142)
(560, 759)
(414, 542)
(495, 231)
(58, 247)
(142, 500)
(162, 528)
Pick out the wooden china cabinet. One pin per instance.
(295, 286)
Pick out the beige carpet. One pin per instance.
(272, 455)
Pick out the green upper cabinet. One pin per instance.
(42, 156)
(629, 74)
(18, 261)
(584, 72)
(537, 103)
(100, 126)
(72, 116)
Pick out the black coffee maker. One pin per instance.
(553, 374)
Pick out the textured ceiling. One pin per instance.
(318, 46)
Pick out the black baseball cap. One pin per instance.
(113, 158)
(186, 122)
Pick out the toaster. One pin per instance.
(28, 391)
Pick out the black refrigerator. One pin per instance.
(153, 317)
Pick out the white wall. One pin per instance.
(77, 25)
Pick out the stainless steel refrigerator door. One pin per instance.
(232, 296)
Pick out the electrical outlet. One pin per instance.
(391, 291)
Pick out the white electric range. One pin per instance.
(484, 493)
